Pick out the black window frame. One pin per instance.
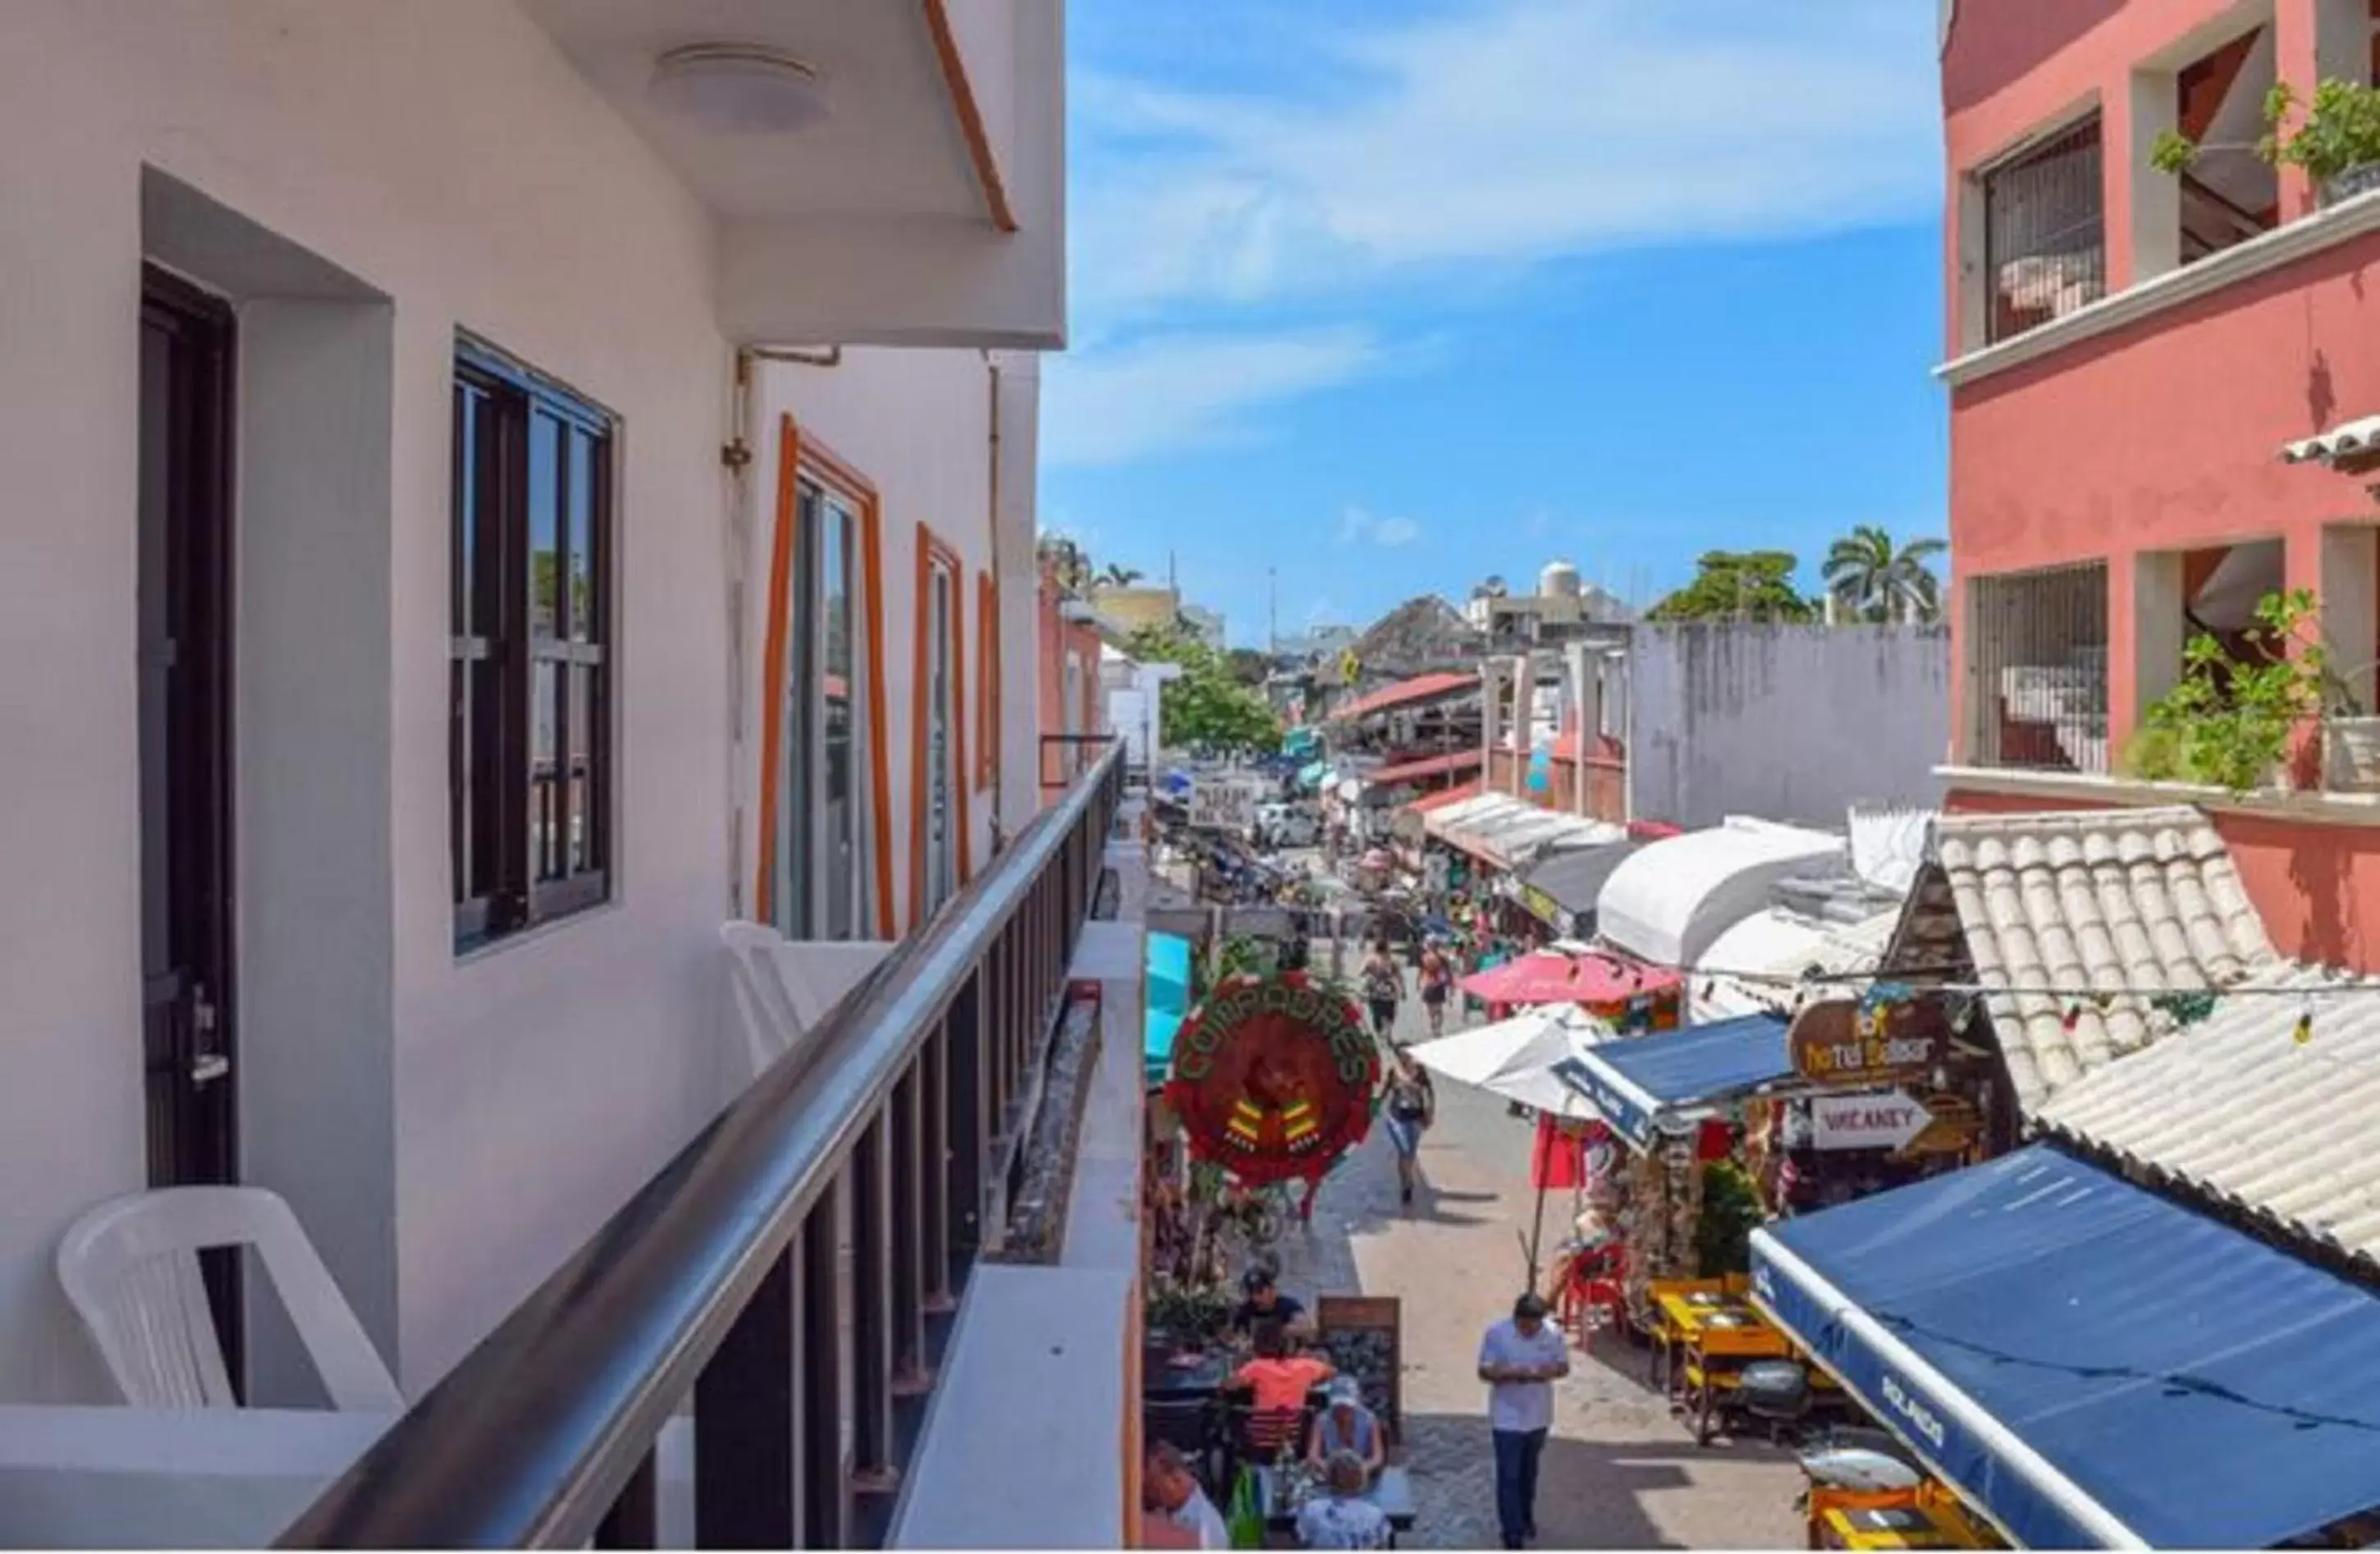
(512, 870)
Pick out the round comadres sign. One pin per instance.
(1273, 1077)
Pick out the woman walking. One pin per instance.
(1437, 976)
(1384, 986)
(1411, 1106)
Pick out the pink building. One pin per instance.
(2149, 373)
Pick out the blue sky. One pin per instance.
(1386, 296)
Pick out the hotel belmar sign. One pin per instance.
(1840, 1042)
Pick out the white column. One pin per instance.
(2157, 627)
(2156, 197)
(1525, 707)
(1587, 713)
(2351, 612)
(1491, 718)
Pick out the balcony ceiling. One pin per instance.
(890, 147)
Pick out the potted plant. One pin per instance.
(2229, 721)
(2337, 142)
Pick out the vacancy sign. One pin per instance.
(1877, 1120)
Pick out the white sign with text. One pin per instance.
(1223, 804)
(1872, 1119)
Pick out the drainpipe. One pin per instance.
(736, 458)
(991, 506)
(743, 523)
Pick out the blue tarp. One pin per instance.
(1156, 1046)
(1169, 973)
(1637, 1082)
(2091, 1363)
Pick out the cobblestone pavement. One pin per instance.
(1620, 1472)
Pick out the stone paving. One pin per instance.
(1618, 1472)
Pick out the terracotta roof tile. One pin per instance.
(2236, 1109)
(2114, 900)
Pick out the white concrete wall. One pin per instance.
(362, 182)
(1788, 722)
(448, 160)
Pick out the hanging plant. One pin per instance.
(1730, 1213)
(2338, 135)
(2229, 721)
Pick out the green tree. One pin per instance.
(1248, 667)
(1118, 576)
(1738, 586)
(1207, 705)
(1875, 581)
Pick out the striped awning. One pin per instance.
(2356, 439)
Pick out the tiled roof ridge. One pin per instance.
(1991, 823)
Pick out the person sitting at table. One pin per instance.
(1171, 1500)
(1344, 1516)
(1263, 1301)
(1279, 1382)
(1345, 1424)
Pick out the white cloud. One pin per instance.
(1356, 525)
(1167, 394)
(1509, 131)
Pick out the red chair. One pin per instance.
(1595, 1282)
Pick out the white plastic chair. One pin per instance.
(772, 1015)
(130, 1270)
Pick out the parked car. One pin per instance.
(1287, 825)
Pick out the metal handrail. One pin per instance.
(540, 1432)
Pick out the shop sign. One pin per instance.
(1273, 1077)
(1870, 1120)
(1840, 1042)
(1541, 906)
(1221, 804)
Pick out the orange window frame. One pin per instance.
(800, 455)
(934, 550)
(987, 647)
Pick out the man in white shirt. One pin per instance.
(1520, 1360)
(1168, 1489)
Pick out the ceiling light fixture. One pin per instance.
(739, 89)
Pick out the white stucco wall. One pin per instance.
(449, 1128)
(446, 157)
(1789, 723)
(917, 424)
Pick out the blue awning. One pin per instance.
(1156, 1045)
(2091, 1365)
(1639, 1082)
(1169, 973)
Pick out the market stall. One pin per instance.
(2190, 1387)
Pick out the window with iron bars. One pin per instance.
(2037, 669)
(2045, 233)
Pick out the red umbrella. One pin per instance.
(1549, 977)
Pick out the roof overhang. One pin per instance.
(2353, 448)
(926, 208)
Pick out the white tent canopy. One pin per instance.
(1670, 901)
(1515, 1058)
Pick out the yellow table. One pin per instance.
(1908, 1526)
(1709, 1335)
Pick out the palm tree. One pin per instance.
(1119, 576)
(1874, 581)
(1067, 561)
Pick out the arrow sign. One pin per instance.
(1874, 1119)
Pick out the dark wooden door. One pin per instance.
(184, 712)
